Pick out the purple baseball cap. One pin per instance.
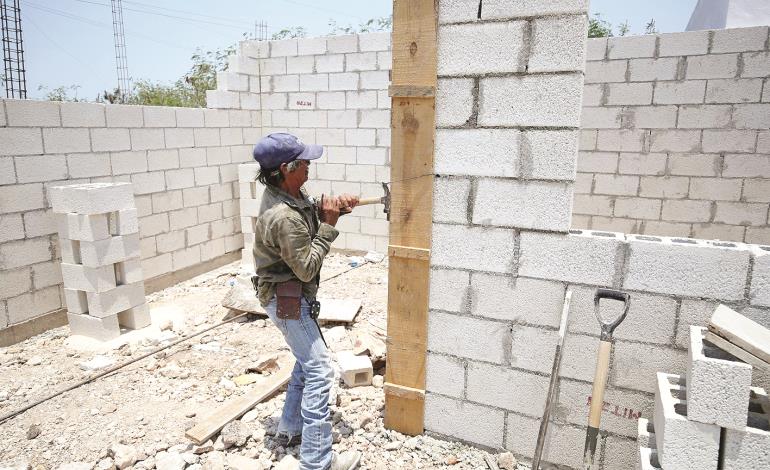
(275, 149)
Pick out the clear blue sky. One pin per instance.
(69, 42)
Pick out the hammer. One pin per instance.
(376, 200)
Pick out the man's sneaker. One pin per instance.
(347, 460)
(285, 441)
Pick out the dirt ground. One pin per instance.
(147, 406)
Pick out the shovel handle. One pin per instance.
(597, 403)
(609, 327)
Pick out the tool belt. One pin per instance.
(289, 299)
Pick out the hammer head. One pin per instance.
(386, 200)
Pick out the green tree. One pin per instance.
(293, 32)
(598, 27)
(623, 28)
(373, 25)
(650, 27)
(61, 93)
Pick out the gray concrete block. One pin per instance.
(533, 204)
(596, 49)
(601, 117)
(739, 39)
(454, 101)
(557, 44)
(629, 93)
(521, 300)
(606, 71)
(103, 329)
(635, 364)
(647, 70)
(462, 420)
(481, 48)
(469, 151)
(92, 198)
(704, 116)
(492, 385)
(549, 155)
(686, 268)
(686, 92)
(537, 100)
(624, 140)
(734, 90)
(21, 141)
(563, 443)
(747, 447)
(631, 47)
(756, 64)
(444, 375)
(454, 194)
(717, 384)
(458, 336)
(31, 113)
(499, 9)
(582, 258)
(83, 227)
(683, 43)
(681, 443)
(759, 292)
(135, 317)
(77, 276)
(712, 66)
(449, 289)
(752, 116)
(456, 246)
(532, 349)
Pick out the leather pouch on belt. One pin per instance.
(289, 295)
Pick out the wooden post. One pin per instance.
(413, 130)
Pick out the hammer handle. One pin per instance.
(369, 200)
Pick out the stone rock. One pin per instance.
(97, 363)
(250, 416)
(391, 446)
(123, 455)
(239, 462)
(207, 446)
(266, 363)
(506, 461)
(365, 343)
(105, 464)
(287, 463)
(378, 381)
(214, 461)
(258, 435)
(75, 466)
(34, 361)
(190, 458)
(169, 461)
(33, 431)
(245, 379)
(235, 433)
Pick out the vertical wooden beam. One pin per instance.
(413, 130)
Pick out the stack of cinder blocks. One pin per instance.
(101, 268)
(712, 419)
(251, 199)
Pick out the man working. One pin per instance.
(292, 237)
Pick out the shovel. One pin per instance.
(602, 370)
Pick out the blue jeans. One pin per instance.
(306, 410)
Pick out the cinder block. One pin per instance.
(538, 100)
(648, 454)
(582, 258)
(103, 329)
(756, 64)
(448, 334)
(601, 117)
(734, 90)
(606, 71)
(717, 384)
(642, 163)
(629, 93)
(752, 116)
(624, 140)
(597, 162)
(456, 246)
(105, 252)
(111, 302)
(592, 204)
(647, 70)
(311, 46)
(712, 66)
(521, 300)
(345, 81)
(66, 140)
(739, 39)
(442, 375)
(374, 41)
(331, 100)
(617, 185)
(83, 227)
(596, 49)
(491, 385)
(558, 44)
(356, 370)
(704, 116)
(551, 155)
(747, 447)
(564, 445)
(449, 289)
(189, 117)
(21, 141)
(681, 443)
(119, 115)
(740, 213)
(31, 113)
(499, 9)
(314, 82)
(482, 48)
(77, 276)
(663, 187)
(675, 140)
(464, 420)
(92, 198)
(89, 165)
(124, 222)
(283, 47)
(339, 44)
(685, 267)
(330, 63)
(631, 47)
(454, 101)
(734, 141)
(683, 43)
(534, 204)
(159, 116)
(77, 301)
(749, 166)
(454, 196)
(468, 151)
(358, 62)
(759, 293)
(685, 92)
(135, 317)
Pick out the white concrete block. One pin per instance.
(631, 47)
(66, 140)
(454, 101)
(606, 71)
(739, 39)
(481, 48)
(358, 62)
(77, 276)
(159, 116)
(748, 447)
(111, 302)
(331, 100)
(21, 141)
(534, 204)
(374, 80)
(681, 443)
(683, 43)
(311, 46)
(629, 93)
(457, 335)
(443, 375)
(550, 155)
(21, 197)
(77, 301)
(491, 385)
(520, 300)
(92, 198)
(31, 113)
(464, 420)
(135, 317)
(330, 63)
(756, 64)
(339, 44)
(647, 70)
(81, 114)
(124, 222)
(686, 92)
(717, 384)
(454, 195)
(533, 100)
(356, 370)
(314, 82)
(687, 268)
(456, 246)
(712, 66)
(469, 151)
(449, 289)
(374, 41)
(557, 44)
(83, 227)
(759, 293)
(731, 91)
(578, 257)
(596, 49)
(500, 9)
(283, 47)
(103, 329)
(111, 250)
(119, 115)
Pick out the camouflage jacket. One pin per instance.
(289, 243)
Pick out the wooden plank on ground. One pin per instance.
(742, 332)
(736, 351)
(237, 407)
(413, 128)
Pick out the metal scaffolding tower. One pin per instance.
(121, 62)
(14, 74)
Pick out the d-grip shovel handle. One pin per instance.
(609, 327)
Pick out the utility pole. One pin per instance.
(14, 74)
(121, 61)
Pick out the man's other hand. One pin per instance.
(347, 202)
(330, 210)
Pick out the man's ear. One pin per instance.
(284, 168)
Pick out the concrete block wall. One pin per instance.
(331, 91)
(498, 277)
(182, 163)
(675, 137)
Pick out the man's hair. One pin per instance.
(274, 177)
